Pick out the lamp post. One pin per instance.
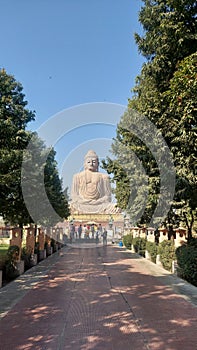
(111, 221)
(126, 222)
(71, 221)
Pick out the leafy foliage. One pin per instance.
(179, 124)
(165, 93)
(11, 262)
(187, 261)
(152, 248)
(170, 28)
(42, 187)
(15, 156)
(53, 185)
(139, 245)
(14, 117)
(127, 240)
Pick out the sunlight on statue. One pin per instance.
(91, 190)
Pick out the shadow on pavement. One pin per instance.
(103, 298)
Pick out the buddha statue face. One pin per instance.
(91, 162)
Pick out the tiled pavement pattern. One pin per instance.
(103, 298)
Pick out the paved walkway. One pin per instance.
(102, 298)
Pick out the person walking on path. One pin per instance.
(79, 231)
(72, 232)
(97, 237)
(104, 236)
(92, 231)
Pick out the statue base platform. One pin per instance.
(117, 220)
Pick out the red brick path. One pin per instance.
(102, 299)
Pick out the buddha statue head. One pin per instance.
(91, 161)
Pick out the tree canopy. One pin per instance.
(14, 153)
(165, 94)
(14, 117)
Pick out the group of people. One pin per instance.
(88, 231)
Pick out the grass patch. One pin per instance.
(3, 248)
(3, 254)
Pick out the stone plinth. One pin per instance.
(54, 233)
(49, 250)
(30, 240)
(20, 265)
(147, 255)
(135, 231)
(180, 239)
(1, 273)
(47, 241)
(163, 234)
(41, 239)
(42, 254)
(150, 234)
(34, 260)
(158, 261)
(57, 234)
(17, 239)
(47, 245)
(55, 247)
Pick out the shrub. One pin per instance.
(127, 240)
(11, 262)
(187, 261)
(166, 250)
(151, 247)
(139, 245)
(27, 256)
(36, 249)
(3, 254)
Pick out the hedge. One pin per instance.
(151, 247)
(166, 250)
(187, 261)
(139, 245)
(127, 240)
(11, 262)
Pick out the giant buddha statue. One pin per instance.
(91, 190)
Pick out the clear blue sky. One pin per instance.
(70, 52)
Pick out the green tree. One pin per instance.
(137, 149)
(170, 28)
(169, 36)
(28, 174)
(53, 185)
(166, 89)
(14, 117)
(41, 185)
(130, 169)
(179, 124)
